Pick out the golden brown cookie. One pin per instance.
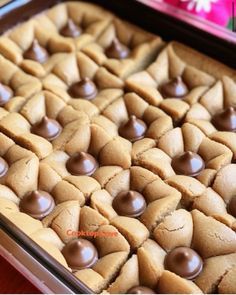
(155, 199)
(214, 270)
(97, 136)
(26, 48)
(112, 249)
(190, 143)
(121, 138)
(74, 79)
(48, 235)
(175, 230)
(224, 178)
(211, 237)
(228, 283)
(179, 233)
(215, 119)
(8, 207)
(24, 222)
(64, 218)
(15, 86)
(131, 109)
(48, 37)
(123, 48)
(219, 211)
(18, 128)
(18, 166)
(170, 283)
(127, 278)
(77, 24)
(56, 176)
(171, 78)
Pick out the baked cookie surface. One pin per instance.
(117, 153)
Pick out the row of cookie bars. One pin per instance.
(88, 144)
(162, 227)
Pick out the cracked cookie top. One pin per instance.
(117, 153)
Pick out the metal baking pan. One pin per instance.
(48, 275)
(24, 254)
(195, 20)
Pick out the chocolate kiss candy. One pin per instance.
(83, 89)
(3, 167)
(36, 52)
(140, 290)
(232, 206)
(188, 163)
(226, 120)
(71, 30)
(131, 204)
(174, 88)
(82, 164)
(47, 128)
(80, 254)
(117, 50)
(5, 94)
(184, 262)
(37, 204)
(133, 130)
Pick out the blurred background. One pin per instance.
(220, 12)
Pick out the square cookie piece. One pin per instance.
(123, 48)
(41, 42)
(170, 83)
(15, 86)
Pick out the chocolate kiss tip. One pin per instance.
(130, 194)
(36, 52)
(184, 261)
(85, 88)
(117, 50)
(183, 255)
(134, 129)
(178, 79)
(70, 22)
(6, 94)
(3, 167)
(175, 88)
(45, 119)
(80, 254)
(225, 120)
(47, 128)
(189, 163)
(130, 204)
(81, 164)
(115, 41)
(35, 42)
(71, 29)
(37, 204)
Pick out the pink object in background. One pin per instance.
(12, 282)
(217, 11)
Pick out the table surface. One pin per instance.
(12, 282)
